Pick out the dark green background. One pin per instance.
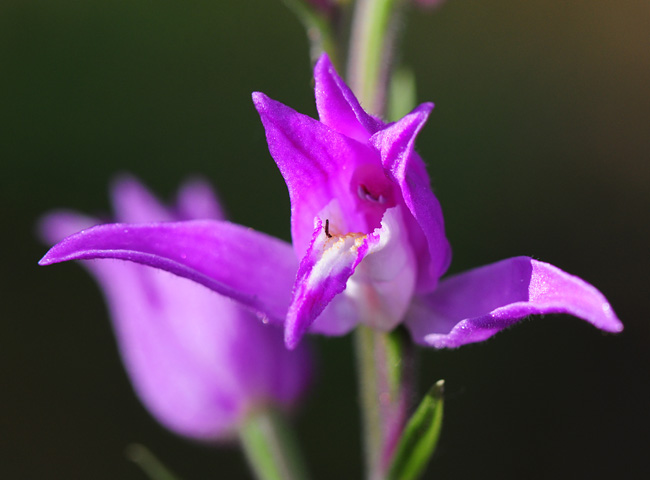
(538, 146)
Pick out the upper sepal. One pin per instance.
(317, 164)
(425, 224)
(337, 106)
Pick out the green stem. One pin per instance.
(371, 49)
(386, 370)
(147, 461)
(319, 30)
(270, 447)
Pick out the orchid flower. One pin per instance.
(199, 362)
(369, 244)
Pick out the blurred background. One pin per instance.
(538, 146)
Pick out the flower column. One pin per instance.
(385, 361)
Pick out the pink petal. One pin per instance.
(473, 306)
(426, 226)
(318, 165)
(337, 106)
(250, 267)
(323, 273)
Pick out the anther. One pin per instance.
(327, 228)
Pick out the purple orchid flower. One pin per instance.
(369, 234)
(198, 361)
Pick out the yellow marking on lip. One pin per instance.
(334, 241)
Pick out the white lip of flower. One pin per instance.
(383, 283)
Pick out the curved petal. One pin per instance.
(337, 106)
(248, 266)
(323, 273)
(317, 163)
(473, 306)
(426, 228)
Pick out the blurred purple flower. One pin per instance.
(198, 361)
(368, 230)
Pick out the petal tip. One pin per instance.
(123, 180)
(47, 260)
(323, 63)
(295, 328)
(291, 338)
(613, 323)
(323, 59)
(124, 185)
(259, 100)
(437, 341)
(195, 181)
(267, 107)
(424, 108)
